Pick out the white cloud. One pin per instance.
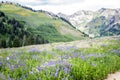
(48, 2)
(64, 1)
(69, 6)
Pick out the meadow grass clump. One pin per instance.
(94, 68)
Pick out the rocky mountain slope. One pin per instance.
(104, 22)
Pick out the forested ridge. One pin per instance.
(13, 33)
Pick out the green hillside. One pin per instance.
(48, 27)
(13, 33)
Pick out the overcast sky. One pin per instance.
(68, 6)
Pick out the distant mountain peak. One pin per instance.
(108, 10)
(102, 10)
(103, 22)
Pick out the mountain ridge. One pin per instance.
(88, 21)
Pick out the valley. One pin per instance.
(41, 45)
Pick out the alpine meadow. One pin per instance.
(42, 45)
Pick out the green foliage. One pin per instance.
(13, 33)
(16, 42)
(50, 28)
(49, 32)
(2, 14)
(3, 43)
(64, 63)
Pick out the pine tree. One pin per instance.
(3, 43)
(38, 40)
(16, 42)
(10, 42)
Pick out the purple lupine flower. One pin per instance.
(65, 48)
(16, 66)
(61, 62)
(75, 54)
(93, 55)
(12, 67)
(116, 52)
(8, 64)
(83, 57)
(39, 68)
(52, 63)
(57, 72)
(66, 70)
(1, 63)
(11, 78)
(22, 63)
(34, 50)
(90, 55)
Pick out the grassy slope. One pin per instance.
(41, 22)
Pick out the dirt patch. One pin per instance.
(114, 76)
